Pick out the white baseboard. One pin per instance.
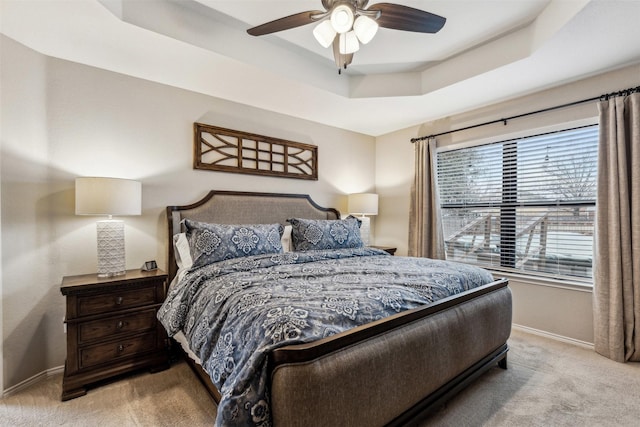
(552, 336)
(34, 379)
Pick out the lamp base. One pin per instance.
(365, 230)
(111, 257)
(107, 275)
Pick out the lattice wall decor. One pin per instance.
(229, 150)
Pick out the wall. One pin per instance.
(24, 187)
(556, 309)
(394, 173)
(62, 120)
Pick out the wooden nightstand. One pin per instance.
(388, 249)
(112, 327)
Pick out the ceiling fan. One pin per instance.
(344, 24)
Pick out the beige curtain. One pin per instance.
(425, 224)
(617, 232)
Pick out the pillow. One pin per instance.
(286, 239)
(181, 251)
(311, 234)
(216, 242)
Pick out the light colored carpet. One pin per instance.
(173, 397)
(548, 383)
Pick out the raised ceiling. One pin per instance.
(488, 51)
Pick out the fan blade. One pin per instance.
(399, 17)
(342, 60)
(291, 21)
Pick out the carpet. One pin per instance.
(548, 383)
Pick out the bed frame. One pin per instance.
(390, 372)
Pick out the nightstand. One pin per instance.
(388, 249)
(112, 327)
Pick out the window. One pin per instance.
(522, 205)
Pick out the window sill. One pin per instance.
(545, 281)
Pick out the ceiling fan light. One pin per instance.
(324, 33)
(365, 28)
(342, 18)
(349, 43)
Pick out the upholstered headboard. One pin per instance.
(233, 207)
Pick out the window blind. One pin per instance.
(524, 205)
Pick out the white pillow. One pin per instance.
(181, 251)
(286, 239)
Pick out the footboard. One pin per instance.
(391, 371)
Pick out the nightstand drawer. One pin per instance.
(114, 326)
(118, 300)
(102, 353)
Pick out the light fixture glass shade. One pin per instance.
(324, 33)
(365, 28)
(342, 18)
(349, 43)
(109, 196)
(363, 204)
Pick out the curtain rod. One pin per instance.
(604, 97)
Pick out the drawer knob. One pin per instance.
(120, 348)
(120, 325)
(118, 300)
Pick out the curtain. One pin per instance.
(617, 231)
(426, 237)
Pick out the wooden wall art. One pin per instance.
(227, 150)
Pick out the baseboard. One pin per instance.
(34, 379)
(552, 336)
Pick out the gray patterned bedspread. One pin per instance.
(235, 311)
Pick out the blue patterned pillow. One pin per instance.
(216, 242)
(310, 234)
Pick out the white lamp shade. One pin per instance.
(108, 196)
(349, 43)
(365, 28)
(324, 33)
(363, 204)
(342, 18)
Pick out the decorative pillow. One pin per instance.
(286, 239)
(181, 251)
(310, 234)
(216, 242)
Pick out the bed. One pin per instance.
(392, 370)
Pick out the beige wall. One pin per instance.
(61, 120)
(556, 310)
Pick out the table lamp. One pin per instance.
(363, 204)
(109, 196)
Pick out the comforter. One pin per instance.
(234, 312)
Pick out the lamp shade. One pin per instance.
(349, 43)
(324, 33)
(108, 196)
(342, 18)
(363, 204)
(365, 28)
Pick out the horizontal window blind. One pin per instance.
(522, 205)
